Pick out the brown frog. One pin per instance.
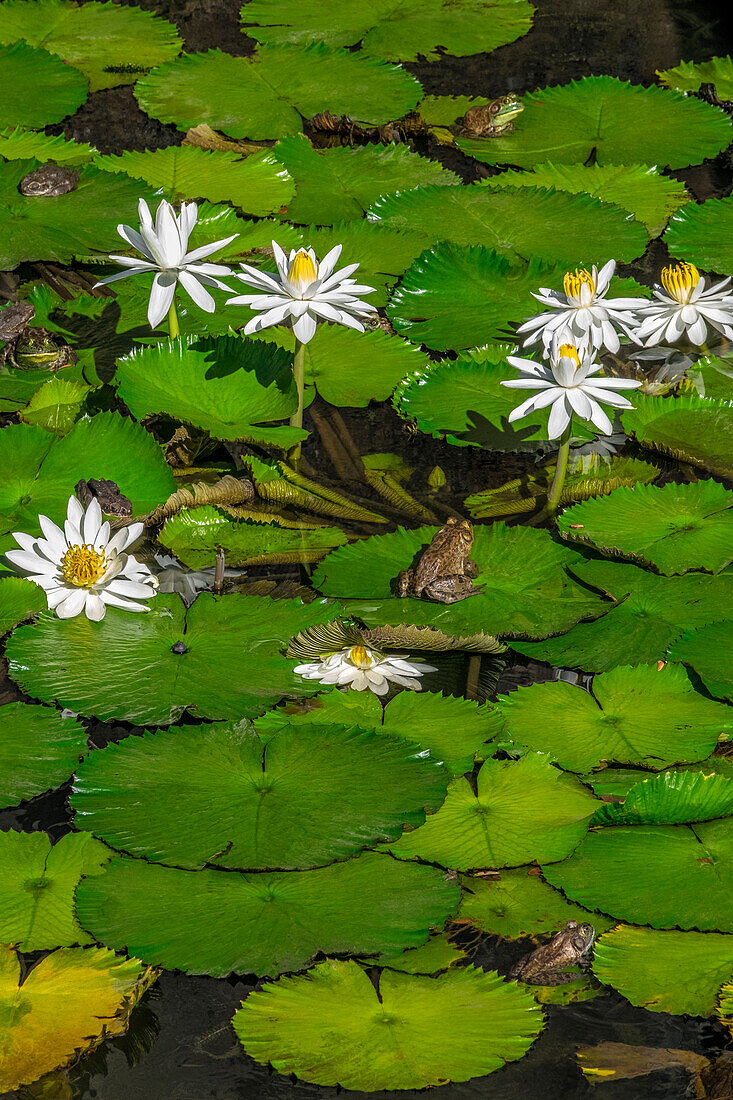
(30, 348)
(49, 180)
(491, 119)
(543, 966)
(107, 493)
(444, 571)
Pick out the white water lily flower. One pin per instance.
(684, 307)
(164, 245)
(364, 669)
(304, 292)
(583, 310)
(567, 383)
(82, 568)
(187, 583)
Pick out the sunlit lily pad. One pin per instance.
(66, 1004)
(518, 903)
(401, 30)
(19, 144)
(56, 405)
(293, 802)
(701, 234)
(708, 651)
(37, 87)
(267, 922)
(635, 715)
(522, 223)
(19, 599)
(125, 666)
(689, 75)
(674, 527)
(677, 972)
(37, 902)
(110, 43)
(268, 95)
(663, 875)
(671, 798)
(693, 429)
(339, 184)
(331, 1027)
(439, 953)
(39, 749)
(524, 810)
(610, 121)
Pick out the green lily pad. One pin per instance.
(664, 875)
(699, 234)
(39, 749)
(19, 599)
(524, 810)
(259, 185)
(339, 184)
(124, 667)
(19, 144)
(537, 600)
(443, 110)
(608, 121)
(708, 651)
(671, 798)
(226, 385)
(401, 30)
(635, 715)
(462, 297)
(647, 614)
(438, 954)
(537, 223)
(689, 75)
(674, 527)
(269, 95)
(37, 87)
(56, 405)
(293, 802)
(37, 903)
(40, 470)
(713, 377)
(677, 972)
(637, 188)
(520, 903)
(331, 1027)
(111, 44)
(693, 429)
(267, 922)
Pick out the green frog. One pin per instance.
(444, 571)
(49, 180)
(491, 119)
(29, 348)
(569, 947)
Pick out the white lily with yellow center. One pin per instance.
(685, 308)
(582, 310)
(568, 383)
(84, 567)
(365, 669)
(304, 292)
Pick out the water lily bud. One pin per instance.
(436, 479)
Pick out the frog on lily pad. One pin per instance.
(28, 348)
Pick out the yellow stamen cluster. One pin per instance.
(360, 656)
(679, 280)
(573, 282)
(302, 270)
(569, 351)
(83, 565)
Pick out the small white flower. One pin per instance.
(303, 292)
(582, 310)
(364, 669)
(81, 568)
(684, 307)
(566, 383)
(164, 247)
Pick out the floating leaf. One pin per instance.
(689, 75)
(520, 903)
(437, 954)
(294, 802)
(19, 599)
(635, 715)
(37, 87)
(55, 405)
(708, 651)
(331, 1027)
(39, 749)
(401, 31)
(99, 39)
(443, 110)
(603, 120)
(672, 798)
(524, 810)
(258, 185)
(37, 903)
(267, 96)
(263, 923)
(673, 527)
(339, 184)
(19, 144)
(693, 429)
(538, 223)
(700, 234)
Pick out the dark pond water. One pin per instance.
(181, 1045)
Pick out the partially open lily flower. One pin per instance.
(82, 568)
(303, 293)
(583, 310)
(685, 308)
(365, 669)
(163, 246)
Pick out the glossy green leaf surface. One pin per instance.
(671, 798)
(518, 903)
(707, 651)
(699, 234)
(39, 749)
(694, 429)
(19, 599)
(689, 75)
(37, 87)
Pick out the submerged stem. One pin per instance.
(173, 329)
(296, 420)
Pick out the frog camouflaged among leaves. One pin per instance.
(444, 571)
(49, 180)
(569, 947)
(107, 493)
(30, 348)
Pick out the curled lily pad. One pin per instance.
(693, 429)
(707, 651)
(37, 87)
(39, 749)
(689, 75)
(672, 798)
(519, 903)
(331, 1027)
(263, 923)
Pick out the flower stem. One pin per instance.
(296, 420)
(173, 329)
(561, 468)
